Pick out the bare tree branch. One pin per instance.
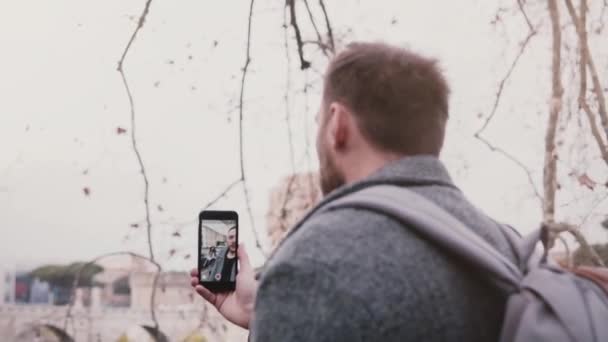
(330, 33)
(242, 159)
(567, 248)
(103, 256)
(304, 64)
(586, 60)
(314, 25)
(587, 247)
(555, 229)
(550, 165)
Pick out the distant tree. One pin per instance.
(64, 275)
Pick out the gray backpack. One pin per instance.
(545, 303)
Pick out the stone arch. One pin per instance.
(43, 333)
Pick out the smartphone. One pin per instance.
(218, 241)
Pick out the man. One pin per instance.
(224, 268)
(354, 274)
(207, 263)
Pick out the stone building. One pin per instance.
(290, 200)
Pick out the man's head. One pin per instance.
(232, 239)
(380, 103)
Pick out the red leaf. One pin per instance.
(134, 225)
(120, 130)
(86, 191)
(586, 181)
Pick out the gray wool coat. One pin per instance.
(356, 275)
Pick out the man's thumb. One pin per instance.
(243, 257)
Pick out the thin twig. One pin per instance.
(501, 85)
(517, 162)
(304, 64)
(597, 204)
(330, 33)
(120, 69)
(287, 90)
(595, 131)
(314, 25)
(141, 166)
(323, 46)
(497, 98)
(242, 94)
(181, 225)
(95, 260)
(283, 211)
(520, 3)
(221, 194)
(311, 182)
(140, 25)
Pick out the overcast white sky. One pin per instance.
(62, 101)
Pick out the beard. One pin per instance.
(329, 175)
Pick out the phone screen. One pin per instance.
(218, 243)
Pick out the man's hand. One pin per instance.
(235, 306)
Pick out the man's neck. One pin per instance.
(369, 164)
(230, 254)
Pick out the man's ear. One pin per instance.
(339, 125)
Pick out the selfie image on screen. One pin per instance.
(218, 250)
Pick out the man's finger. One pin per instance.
(194, 273)
(243, 257)
(206, 294)
(194, 281)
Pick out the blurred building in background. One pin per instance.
(115, 308)
(290, 200)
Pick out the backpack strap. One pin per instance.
(437, 225)
(524, 248)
